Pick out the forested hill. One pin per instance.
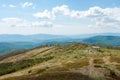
(104, 40)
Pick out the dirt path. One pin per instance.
(91, 67)
(95, 72)
(106, 60)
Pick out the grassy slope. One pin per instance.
(71, 60)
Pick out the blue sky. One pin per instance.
(64, 17)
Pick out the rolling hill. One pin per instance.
(6, 47)
(28, 38)
(76, 61)
(14, 42)
(104, 40)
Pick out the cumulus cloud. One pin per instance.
(108, 17)
(43, 15)
(99, 17)
(96, 16)
(27, 4)
(64, 9)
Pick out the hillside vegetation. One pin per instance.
(9, 43)
(104, 40)
(76, 61)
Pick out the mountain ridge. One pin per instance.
(14, 42)
(62, 62)
(104, 40)
(32, 37)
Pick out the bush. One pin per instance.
(98, 61)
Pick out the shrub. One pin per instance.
(6, 68)
(98, 61)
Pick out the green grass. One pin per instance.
(10, 67)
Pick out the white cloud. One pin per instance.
(64, 9)
(27, 4)
(99, 17)
(42, 24)
(12, 6)
(43, 15)
(94, 19)
(17, 22)
(11, 19)
(106, 18)
(90, 13)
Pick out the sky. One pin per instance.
(61, 17)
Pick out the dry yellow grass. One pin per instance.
(26, 55)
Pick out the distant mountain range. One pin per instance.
(9, 42)
(104, 40)
(83, 36)
(28, 38)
